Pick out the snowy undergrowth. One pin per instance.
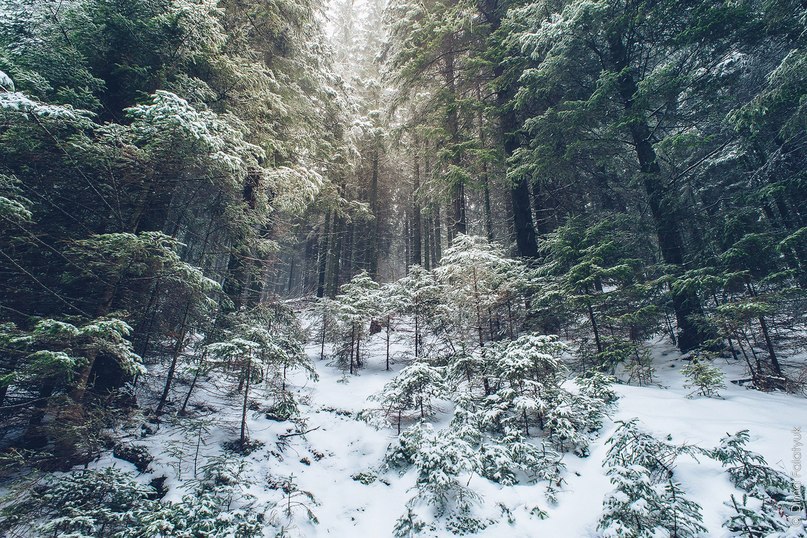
(324, 475)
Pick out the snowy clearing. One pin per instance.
(339, 453)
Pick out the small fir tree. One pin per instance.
(768, 494)
(646, 499)
(413, 389)
(706, 378)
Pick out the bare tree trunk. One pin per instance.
(407, 242)
(389, 322)
(594, 326)
(777, 369)
(460, 223)
(193, 386)
(178, 347)
(246, 402)
(427, 232)
(437, 255)
(417, 333)
(322, 342)
(290, 283)
(478, 311)
(662, 207)
(358, 350)
(485, 178)
(352, 345)
(323, 256)
(336, 256)
(376, 225)
(416, 213)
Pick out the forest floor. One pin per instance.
(326, 461)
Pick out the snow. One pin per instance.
(19, 102)
(338, 447)
(6, 83)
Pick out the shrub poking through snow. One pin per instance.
(350, 314)
(704, 377)
(509, 461)
(217, 505)
(748, 470)
(413, 389)
(410, 525)
(630, 445)
(263, 344)
(754, 518)
(505, 456)
(598, 386)
(768, 494)
(84, 503)
(646, 500)
(640, 507)
(493, 430)
(110, 503)
(296, 500)
(442, 461)
(524, 391)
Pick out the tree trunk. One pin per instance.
(437, 243)
(417, 333)
(322, 342)
(417, 253)
(323, 256)
(169, 379)
(83, 378)
(389, 321)
(478, 311)
(777, 369)
(190, 389)
(349, 250)
(427, 241)
(335, 257)
(485, 178)
(509, 125)
(358, 350)
(594, 327)
(460, 223)
(246, 402)
(523, 226)
(407, 241)
(668, 228)
(372, 253)
(352, 345)
(290, 284)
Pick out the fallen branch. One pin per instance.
(287, 435)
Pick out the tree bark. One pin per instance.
(417, 251)
(427, 241)
(375, 228)
(290, 283)
(246, 402)
(389, 322)
(323, 256)
(509, 126)
(460, 223)
(668, 228)
(169, 378)
(335, 255)
(485, 177)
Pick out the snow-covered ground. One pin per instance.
(326, 461)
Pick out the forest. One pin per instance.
(292, 268)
